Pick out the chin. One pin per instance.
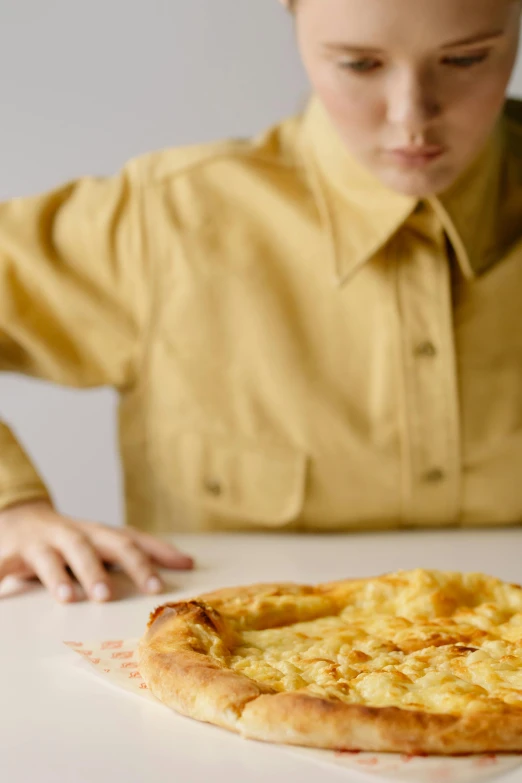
(409, 186)
(419, 184)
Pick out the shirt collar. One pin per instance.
(362, 214)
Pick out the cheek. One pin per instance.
(354, 110)
(475, 110)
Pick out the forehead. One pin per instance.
(405, 21)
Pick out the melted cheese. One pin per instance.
(434, 641)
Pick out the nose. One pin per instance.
(412, 103)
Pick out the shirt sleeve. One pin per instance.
(19, 479)
(74, 298)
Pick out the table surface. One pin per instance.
(60, 723)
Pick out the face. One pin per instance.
(414, 87)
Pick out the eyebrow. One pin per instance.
(475, 39)
(480, 38)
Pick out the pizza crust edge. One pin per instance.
(186, 678)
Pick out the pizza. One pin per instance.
(417, 662)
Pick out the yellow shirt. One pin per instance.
(295, 346)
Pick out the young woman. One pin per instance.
(315, 330)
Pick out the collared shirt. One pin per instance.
(295, 346)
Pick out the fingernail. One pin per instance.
(187, 562)
(100, 592)
(64, 592)
(153, 585)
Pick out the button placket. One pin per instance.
(430, 404)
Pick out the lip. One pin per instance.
(416, 156)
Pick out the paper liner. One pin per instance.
(115, 662)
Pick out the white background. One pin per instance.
(83, 87)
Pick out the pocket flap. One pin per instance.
(259, 484)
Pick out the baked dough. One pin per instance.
(412, 662)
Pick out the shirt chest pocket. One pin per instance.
(232, 485)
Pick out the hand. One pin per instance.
(37, 541)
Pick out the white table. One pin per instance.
(61, 724)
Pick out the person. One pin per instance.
(314, 330)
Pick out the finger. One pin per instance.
(86, 564)
(136, 564)
(50, 569)
(12, 565)
(161, 552)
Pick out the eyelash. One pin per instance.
(360, 67)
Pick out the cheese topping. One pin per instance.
(423, 640)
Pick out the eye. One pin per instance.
(359, 66)
(466, 62)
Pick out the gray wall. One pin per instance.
(86, 85)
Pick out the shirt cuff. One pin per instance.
(19, 480)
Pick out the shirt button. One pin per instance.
(434, 476)
(213, 487)
(426, 349)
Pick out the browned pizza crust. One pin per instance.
(178, 670)
(298, 719)
(183, 659)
